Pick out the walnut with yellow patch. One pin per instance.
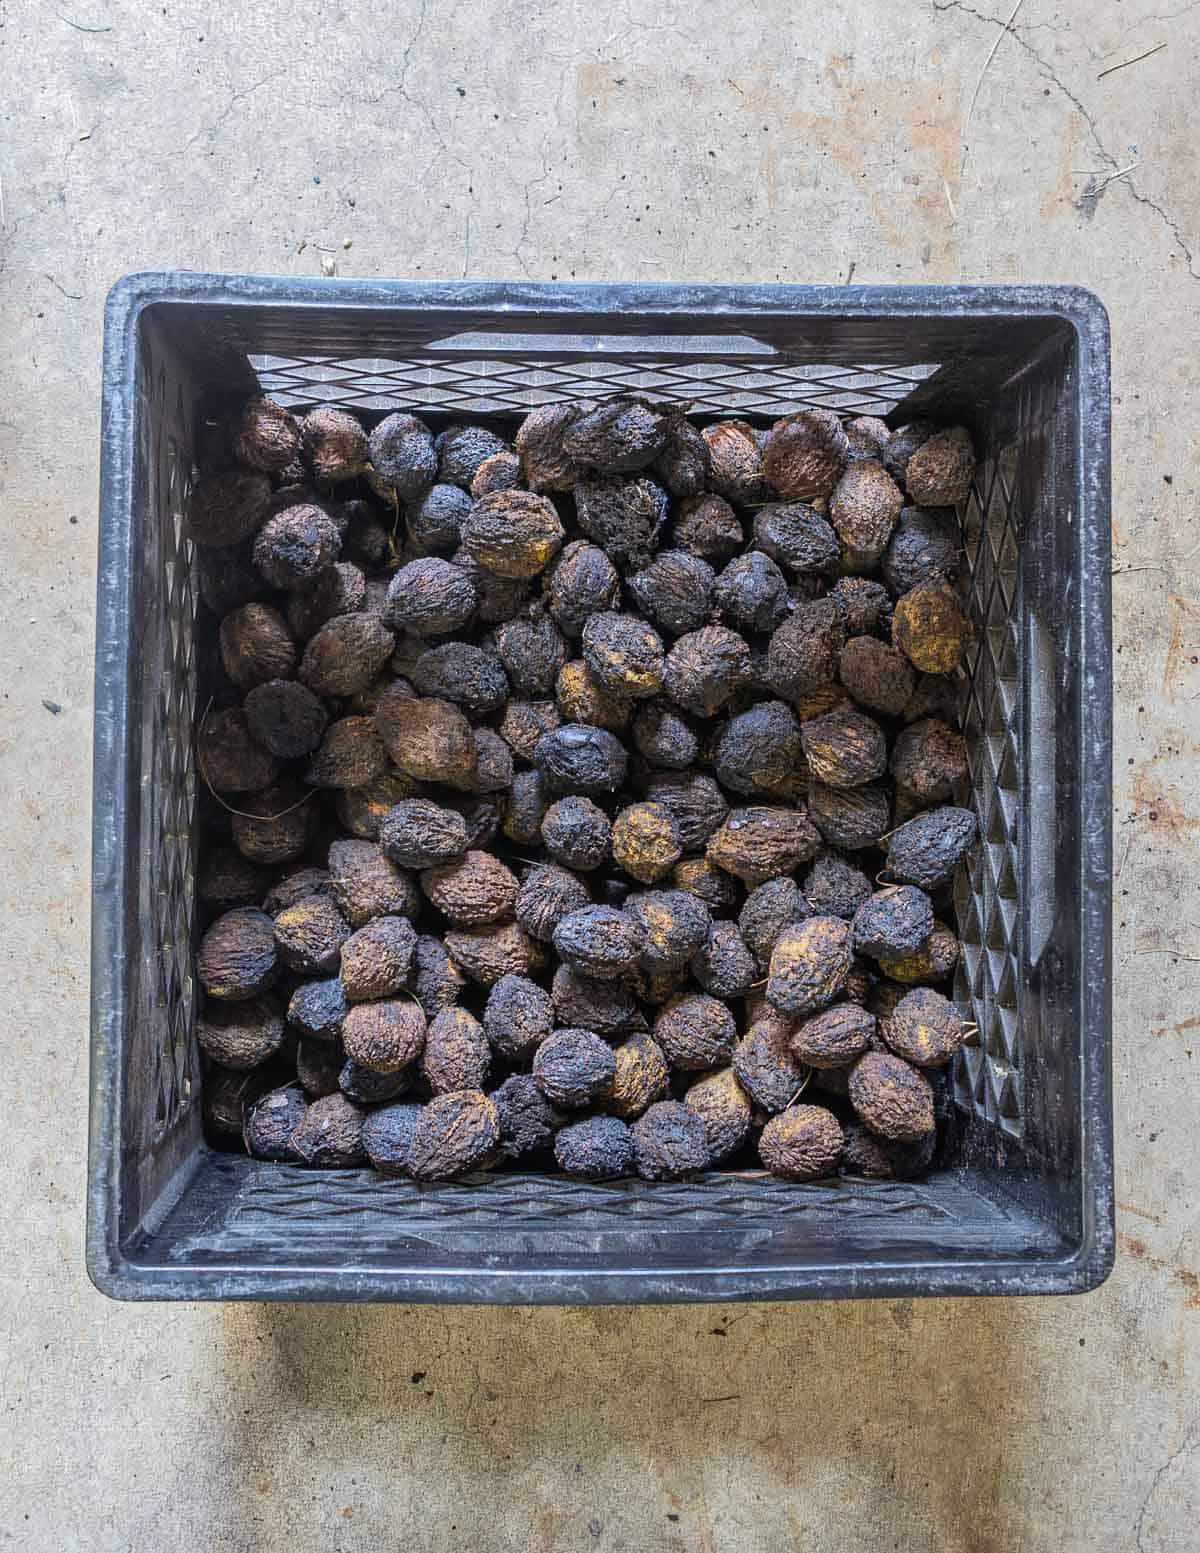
(645, 842)
(809, 965)
(930, 629)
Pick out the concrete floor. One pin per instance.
(743, 139)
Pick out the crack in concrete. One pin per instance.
(249, 91)
(1086, 203)
(1154, 1482)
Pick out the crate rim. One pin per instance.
(122, 1277)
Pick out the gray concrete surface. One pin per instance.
(742, 139)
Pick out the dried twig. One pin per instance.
(1007, 27)
(72, 296)
(79, 27)
(1158, 47)
(228, 807)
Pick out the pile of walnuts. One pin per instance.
(588, 799)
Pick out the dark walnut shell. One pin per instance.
(487, 953)
(334, 443)
(933, 961)
(880, 1160)
(365, 883)
(473, 891)
(430, 597)
(546, 895)
(895, 921)
(675, 591)
(850, 817)
(939, 473)
(804, 652)
(346, 654)
(877, 675)
(607, 1008)
(456, 1133)
(809, 965)
(834, 887)
(256, 646)
(641, 1078)
(545, 463)
(863, 509)
(795, 536)
(619, 436)
(350, 755)
(456, 1055)
(752, 593)
(296, 545)
(286, 718)
(418, 833)
(517, 1018)
(226, 508)
(329, 1134)
(768, 910)
(579, 759)
(624, 654)
(759, 843)
(724, 966)
(924, 1028)
(891, 1097)
(598, 941)
(270, 1122)
(377, 959)
(927, 850)
(672, 927)
(758, 753)
(237, 958)
(723, 1106)
(765, 1065)
(317, 1008)
(512, 534)
(402, 455)
(241, 1035)
(581, 582)
(572, 1068)
(429, 739)
(230, 758)
(707, 526)
(384, 1036)
(926, 544)
(663, 737)
(695, 802)
(309, 936)
(696, 1032)
(267, 437)
(528, 1121)
(624, 517)
(833, 1038)
(599, 1148)
(387, 1137)
(929, 761)
(735, 462)
(670, 1143)
(844, 748)
(711, 885)
(581, 698)
(705, 669)
(804, 454)
(802, 1143)
(437, 981)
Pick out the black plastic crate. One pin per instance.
(1025, 1205)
